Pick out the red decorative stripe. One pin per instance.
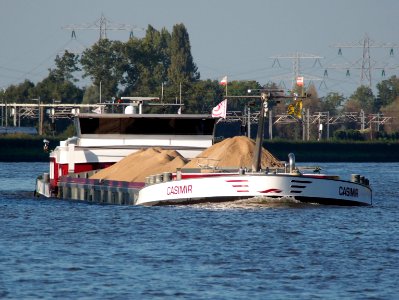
(237, 180)
(271, 191)
(240, 185)
(242, 191)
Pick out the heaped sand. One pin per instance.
(233, 152)
(137, 166)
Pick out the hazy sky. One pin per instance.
(228, 37)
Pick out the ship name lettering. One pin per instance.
(348, 191)
(179, 189)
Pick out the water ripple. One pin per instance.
(249, 249)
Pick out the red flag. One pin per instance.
(220, 110)
(299, 81)
(223, 81)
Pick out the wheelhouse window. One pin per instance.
(159, 126)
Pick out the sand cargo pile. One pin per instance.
(137, 166)
(236, 152)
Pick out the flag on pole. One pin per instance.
(299, 81)
(223, 81)
(220, 110)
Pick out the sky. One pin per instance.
(262, 40)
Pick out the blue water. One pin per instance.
(53, 249)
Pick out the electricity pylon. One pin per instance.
(296, 65)
(365, 64)
(103, 25)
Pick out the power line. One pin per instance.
(365, 64)
(102, 25)
(296, 65)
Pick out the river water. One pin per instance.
(54, 249)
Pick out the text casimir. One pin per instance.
(348, 191)
(179, 189)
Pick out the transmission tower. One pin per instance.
(102, 25)
(296, 65)
(365, 64)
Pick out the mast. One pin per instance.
(257, 157)
(269, 98)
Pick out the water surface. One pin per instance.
(60, 249)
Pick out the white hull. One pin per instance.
(305, 188)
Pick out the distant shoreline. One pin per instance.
(336, 151)
(31, 150)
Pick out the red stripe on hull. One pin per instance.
(270, 191)
(237, 180)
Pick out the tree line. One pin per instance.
(161, 64)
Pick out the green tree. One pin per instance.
(134, 57)
(312, 102)
(66, 66)
(388, 91)
(60, 83)
(202, 96)
(54, 88)
(182, 69)
(362, 98)
(155, 45)
(91, 95)
(20, 93)
(392, 110)
(240, 88)
(105, 64)
(148, 62)
(332, 103)
(350, 134)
